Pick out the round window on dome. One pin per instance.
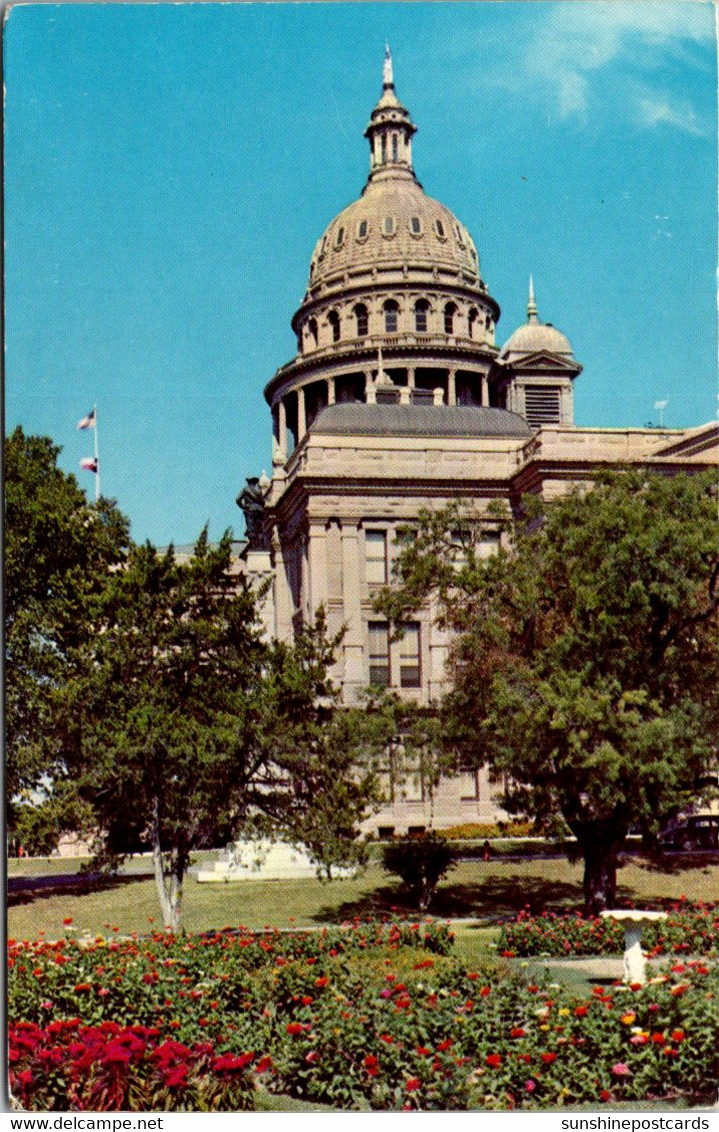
(389, 226)
(363, 230)
(440, 230)
(415, 226)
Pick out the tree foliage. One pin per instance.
(585, 661)
(185, 726)
(58, 551)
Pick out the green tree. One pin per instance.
(585, 661)
(186, 725)
(58, 551)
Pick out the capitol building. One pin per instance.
(401, 396)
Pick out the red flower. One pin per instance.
(322, 982)
(580, 1011)
(678, 1036)
(548, 1058)
(485, 991)
(446, 1044)
(518, 1032)
(494, 1061)
(312, 1057)
(67, 920)
(387, 1038)
(370, 1062)
(228, 1063)
(81, 987)
(605, 1096)
(307, 1000)
(294, 1028)
(176, 1078)
(264, 1064)
(413, 1084)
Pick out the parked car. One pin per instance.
(700, 831)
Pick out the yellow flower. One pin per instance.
(627, 1019)
(544, 1027)
(564, 1011)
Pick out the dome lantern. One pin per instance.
(390, 130)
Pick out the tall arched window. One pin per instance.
(421, 308)
(395, 148)
(391, 313)
(472, 321)
(360, 313)
(312, 329)
(449, 312)
(334, 320)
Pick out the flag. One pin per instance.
(88, 464)
(88, 421)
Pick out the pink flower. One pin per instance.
(530, 1085)
(621, 1070)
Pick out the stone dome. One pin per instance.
(394, 224)
(535, 337)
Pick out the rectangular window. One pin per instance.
(542, 405)
(469, 785)
(376, 557)
(410, 674)
(489, 543)
(378, 640)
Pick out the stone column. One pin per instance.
(370, 395)
(410, 377)
(316, 568)
(566, 405)
(485, 390)
(283, 595)
(301, 416)
(353, 642)
(330, 391)
(282, 439)
(451, 387)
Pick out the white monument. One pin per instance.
(264, 860)
(634, 920)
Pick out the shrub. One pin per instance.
(421, 863)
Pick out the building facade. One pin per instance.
(399, 398)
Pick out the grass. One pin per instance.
(473, 890)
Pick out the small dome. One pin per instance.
(535, 337)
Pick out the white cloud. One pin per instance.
(654, 111)
(573, 46)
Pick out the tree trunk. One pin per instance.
(600, 878)
(170, 900)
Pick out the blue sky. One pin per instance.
(170, 167)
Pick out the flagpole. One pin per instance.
(97, 461)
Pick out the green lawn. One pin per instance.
(474, 890)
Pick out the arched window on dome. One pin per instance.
(362, 229)
(312, 331)
(360, 313)
(488, 322)
(391, 316)
(449, 312)
(383, 148)
(334, 320)
(439, 229)
(421, 309)
(472, 322)
(415, 226)
(395, 148)
(340, 238)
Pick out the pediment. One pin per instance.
(543, 362)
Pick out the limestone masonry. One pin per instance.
(399, 398)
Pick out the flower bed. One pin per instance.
(376, 1016)
(691, 929)
(110, 1068)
